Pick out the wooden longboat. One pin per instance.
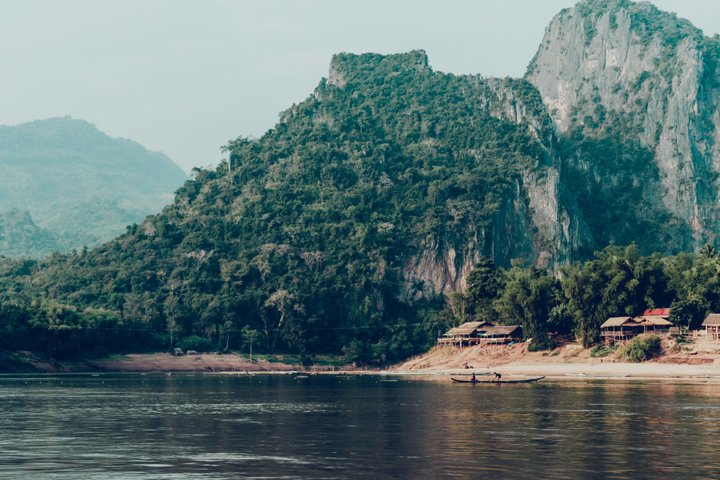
(502, 380)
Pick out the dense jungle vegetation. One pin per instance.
(618, 281)
(299, 242)
(302, 235)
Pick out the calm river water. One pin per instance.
(217, 427)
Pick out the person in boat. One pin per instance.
(473, 379)
(497, 377)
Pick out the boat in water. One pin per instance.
(498, 380)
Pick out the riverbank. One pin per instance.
(581, 370)
(693, 359)
(28, 362)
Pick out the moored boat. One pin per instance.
(501, 380)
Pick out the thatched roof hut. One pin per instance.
(712, 326)
(619, 329)
(466, 329)
(474, 333)
(503, 330)
(614, 322)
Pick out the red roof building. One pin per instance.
(660, 312)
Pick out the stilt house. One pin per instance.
(619, 329)
(476, 333)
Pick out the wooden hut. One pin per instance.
(466, 334)
(619, 329)
(712, 327)
(500, 334)
(656, 320)
(485, 333)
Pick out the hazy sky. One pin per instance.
(183, 77)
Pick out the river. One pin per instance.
(336, 427)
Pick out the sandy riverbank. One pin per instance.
(206, 362)
(697, 360)
(27, 362)
(570, 361)
(571, 371)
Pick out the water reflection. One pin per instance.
(184, 427)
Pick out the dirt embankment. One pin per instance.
(489, 356)
(27, 362)
(693, 357)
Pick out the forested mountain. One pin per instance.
(78, 186)
(341, 228)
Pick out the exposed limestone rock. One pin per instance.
(537, 223)
(608, 57)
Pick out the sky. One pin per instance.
(185, 76)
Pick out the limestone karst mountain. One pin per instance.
(625, 73)
(346, 223)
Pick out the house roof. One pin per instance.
(655, 320)
(618, 322)
(713, 319)
(501, 330)
(662, 312)
(465, 329)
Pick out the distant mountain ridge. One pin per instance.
(19, 234)
(79, 185)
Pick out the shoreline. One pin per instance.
(587, 371)
(233, 364)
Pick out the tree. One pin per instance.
(689, 312)
(618, 281)
(528, 297)
(482, 290)
(560, 319)
(171, 306)
(228, 328)
(280, 300)
(582, 290)
(250, 336)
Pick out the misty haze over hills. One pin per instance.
(65, 184)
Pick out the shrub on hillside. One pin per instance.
(642, 348)
(542, 342)
(600, 351)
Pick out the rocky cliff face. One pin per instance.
(656, 76)
(535, 221)
(631, 152)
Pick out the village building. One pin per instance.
(656, 320)
(481, 333)
(712, 327)
(465, 334)
(622, 329)
(619, 330)
(501, 334)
